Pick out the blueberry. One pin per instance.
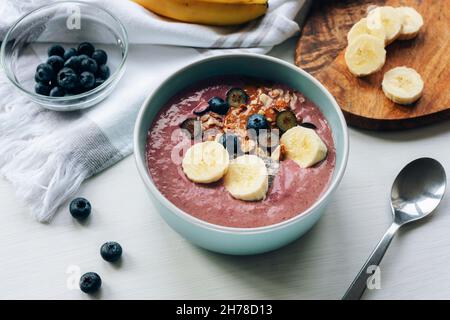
(56, 50)
(73, 63)
(82, 57)
(72, 52)
(87, 80)
(68, 79)
(86, 48)
(218, 105)
(111, 251)
(90, 282)
(237, 97)
(100, 57)
(57, 92)
(44, 73)
(89, 65)
(103, 72)
(230, 143)
(80, 208)
(98, 82)
(257, 122)
(286, 120)
(43, 89)
(56, 62)
(192, 126)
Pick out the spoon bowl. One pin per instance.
(417, 190)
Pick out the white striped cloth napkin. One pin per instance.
(46, 155)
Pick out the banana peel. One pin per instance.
(209, 12)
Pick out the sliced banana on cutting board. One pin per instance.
(247, 178)
(365, 55)
(304, 146)
(403, 85)
(361, 28)
(387, 18)
(412, 22)
(206, 162)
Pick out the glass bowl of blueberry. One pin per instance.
(65, 56)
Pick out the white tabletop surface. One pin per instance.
(39, 261)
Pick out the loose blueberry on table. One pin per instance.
(72, 71)
(80, 208)
(111, 251)
(90, 282)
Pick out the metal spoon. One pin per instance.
(416, 192)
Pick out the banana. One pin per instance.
(247, 178)
(365, 55)
(304, 146)
(402, 85)
(211, 12)
(412, 22)
(361, 28)
(205, 162)
(388, 19)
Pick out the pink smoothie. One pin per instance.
(294, 189)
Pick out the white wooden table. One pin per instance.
(159, 264)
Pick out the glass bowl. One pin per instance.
(68, 23)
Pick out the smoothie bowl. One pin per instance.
(241, 153)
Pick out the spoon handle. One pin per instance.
(358, 285)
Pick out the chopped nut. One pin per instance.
(287, 97)
(247, 146)
(210, 134)
(300, 97)
(205, 117)
(293, 101)
(270, 113)
(254, 102)
(216, 116)
(260, 152)
(281, 105)
(265, 100)
(275, 93)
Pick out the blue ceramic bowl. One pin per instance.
(241, 241)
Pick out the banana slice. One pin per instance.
(365, 55)
(361, 28)
(412, 22)
(304, 146)
(206, 162)
(388, 19)
(402, 85)
(247, 178)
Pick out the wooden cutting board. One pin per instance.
(321, 47)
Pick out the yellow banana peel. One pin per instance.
(211, 12)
